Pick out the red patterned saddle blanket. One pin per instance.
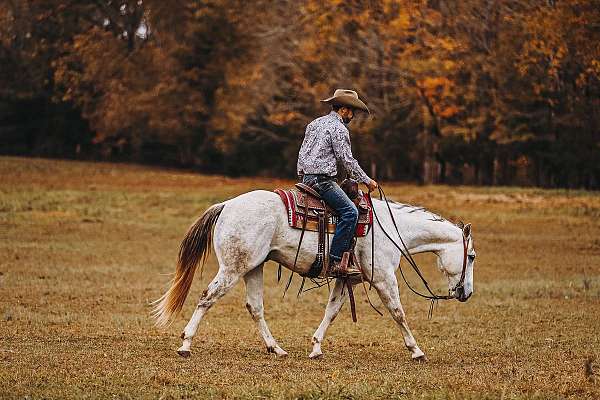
(301, 205)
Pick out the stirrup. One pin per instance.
(343, 268)
(349, 272)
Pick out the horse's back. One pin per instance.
(258, 209)
(256, 201)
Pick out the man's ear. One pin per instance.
(467, 230)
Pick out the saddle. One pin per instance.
(304, 208)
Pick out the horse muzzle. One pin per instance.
(459, 294)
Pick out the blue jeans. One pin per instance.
(347, 212)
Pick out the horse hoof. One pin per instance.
(420, 359)
(315, 355)
(279, 352)
(184, 353)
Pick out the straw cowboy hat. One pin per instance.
(346, 97)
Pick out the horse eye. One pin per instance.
(471, 257)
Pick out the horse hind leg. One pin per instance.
(254, 304)
(237, 254)
(217, 288)
(239, 248)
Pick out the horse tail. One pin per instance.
(194, 248)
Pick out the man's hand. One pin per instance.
(372, 185)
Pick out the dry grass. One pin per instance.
(84, 247)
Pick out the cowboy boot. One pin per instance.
(343, 268)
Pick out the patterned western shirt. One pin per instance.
(326, 142)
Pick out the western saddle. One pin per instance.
(308, 211)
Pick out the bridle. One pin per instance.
(404, 251)
(461, 282)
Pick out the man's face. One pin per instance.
(347, 114)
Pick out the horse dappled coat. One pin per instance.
(242, 248)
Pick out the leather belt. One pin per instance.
(322, 177)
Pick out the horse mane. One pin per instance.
(410, 209)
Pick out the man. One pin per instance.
(327, 143)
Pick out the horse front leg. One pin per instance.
(387, 288)
(337, 297)
(254, 304)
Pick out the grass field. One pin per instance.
(84, 248)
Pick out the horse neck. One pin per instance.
(422, 231)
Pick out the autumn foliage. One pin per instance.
(476, 91)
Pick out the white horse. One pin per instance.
(253, 228)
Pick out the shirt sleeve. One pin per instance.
(340, 141)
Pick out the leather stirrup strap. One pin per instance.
(352, 303)
(345, 262)
(301, 234)
(348, 258)
(287, 286)
(321, 246)
(326, 238)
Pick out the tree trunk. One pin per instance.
(373, 170)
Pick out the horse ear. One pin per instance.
(467, 230)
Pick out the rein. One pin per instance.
(404, 251)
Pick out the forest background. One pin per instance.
(488, 92)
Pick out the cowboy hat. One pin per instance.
(348, 98)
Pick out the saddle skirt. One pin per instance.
(301, 205)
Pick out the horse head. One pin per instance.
(457, 263)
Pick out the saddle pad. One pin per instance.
(295, 203)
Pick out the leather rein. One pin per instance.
(404, 251)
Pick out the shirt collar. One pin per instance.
(336, 115)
